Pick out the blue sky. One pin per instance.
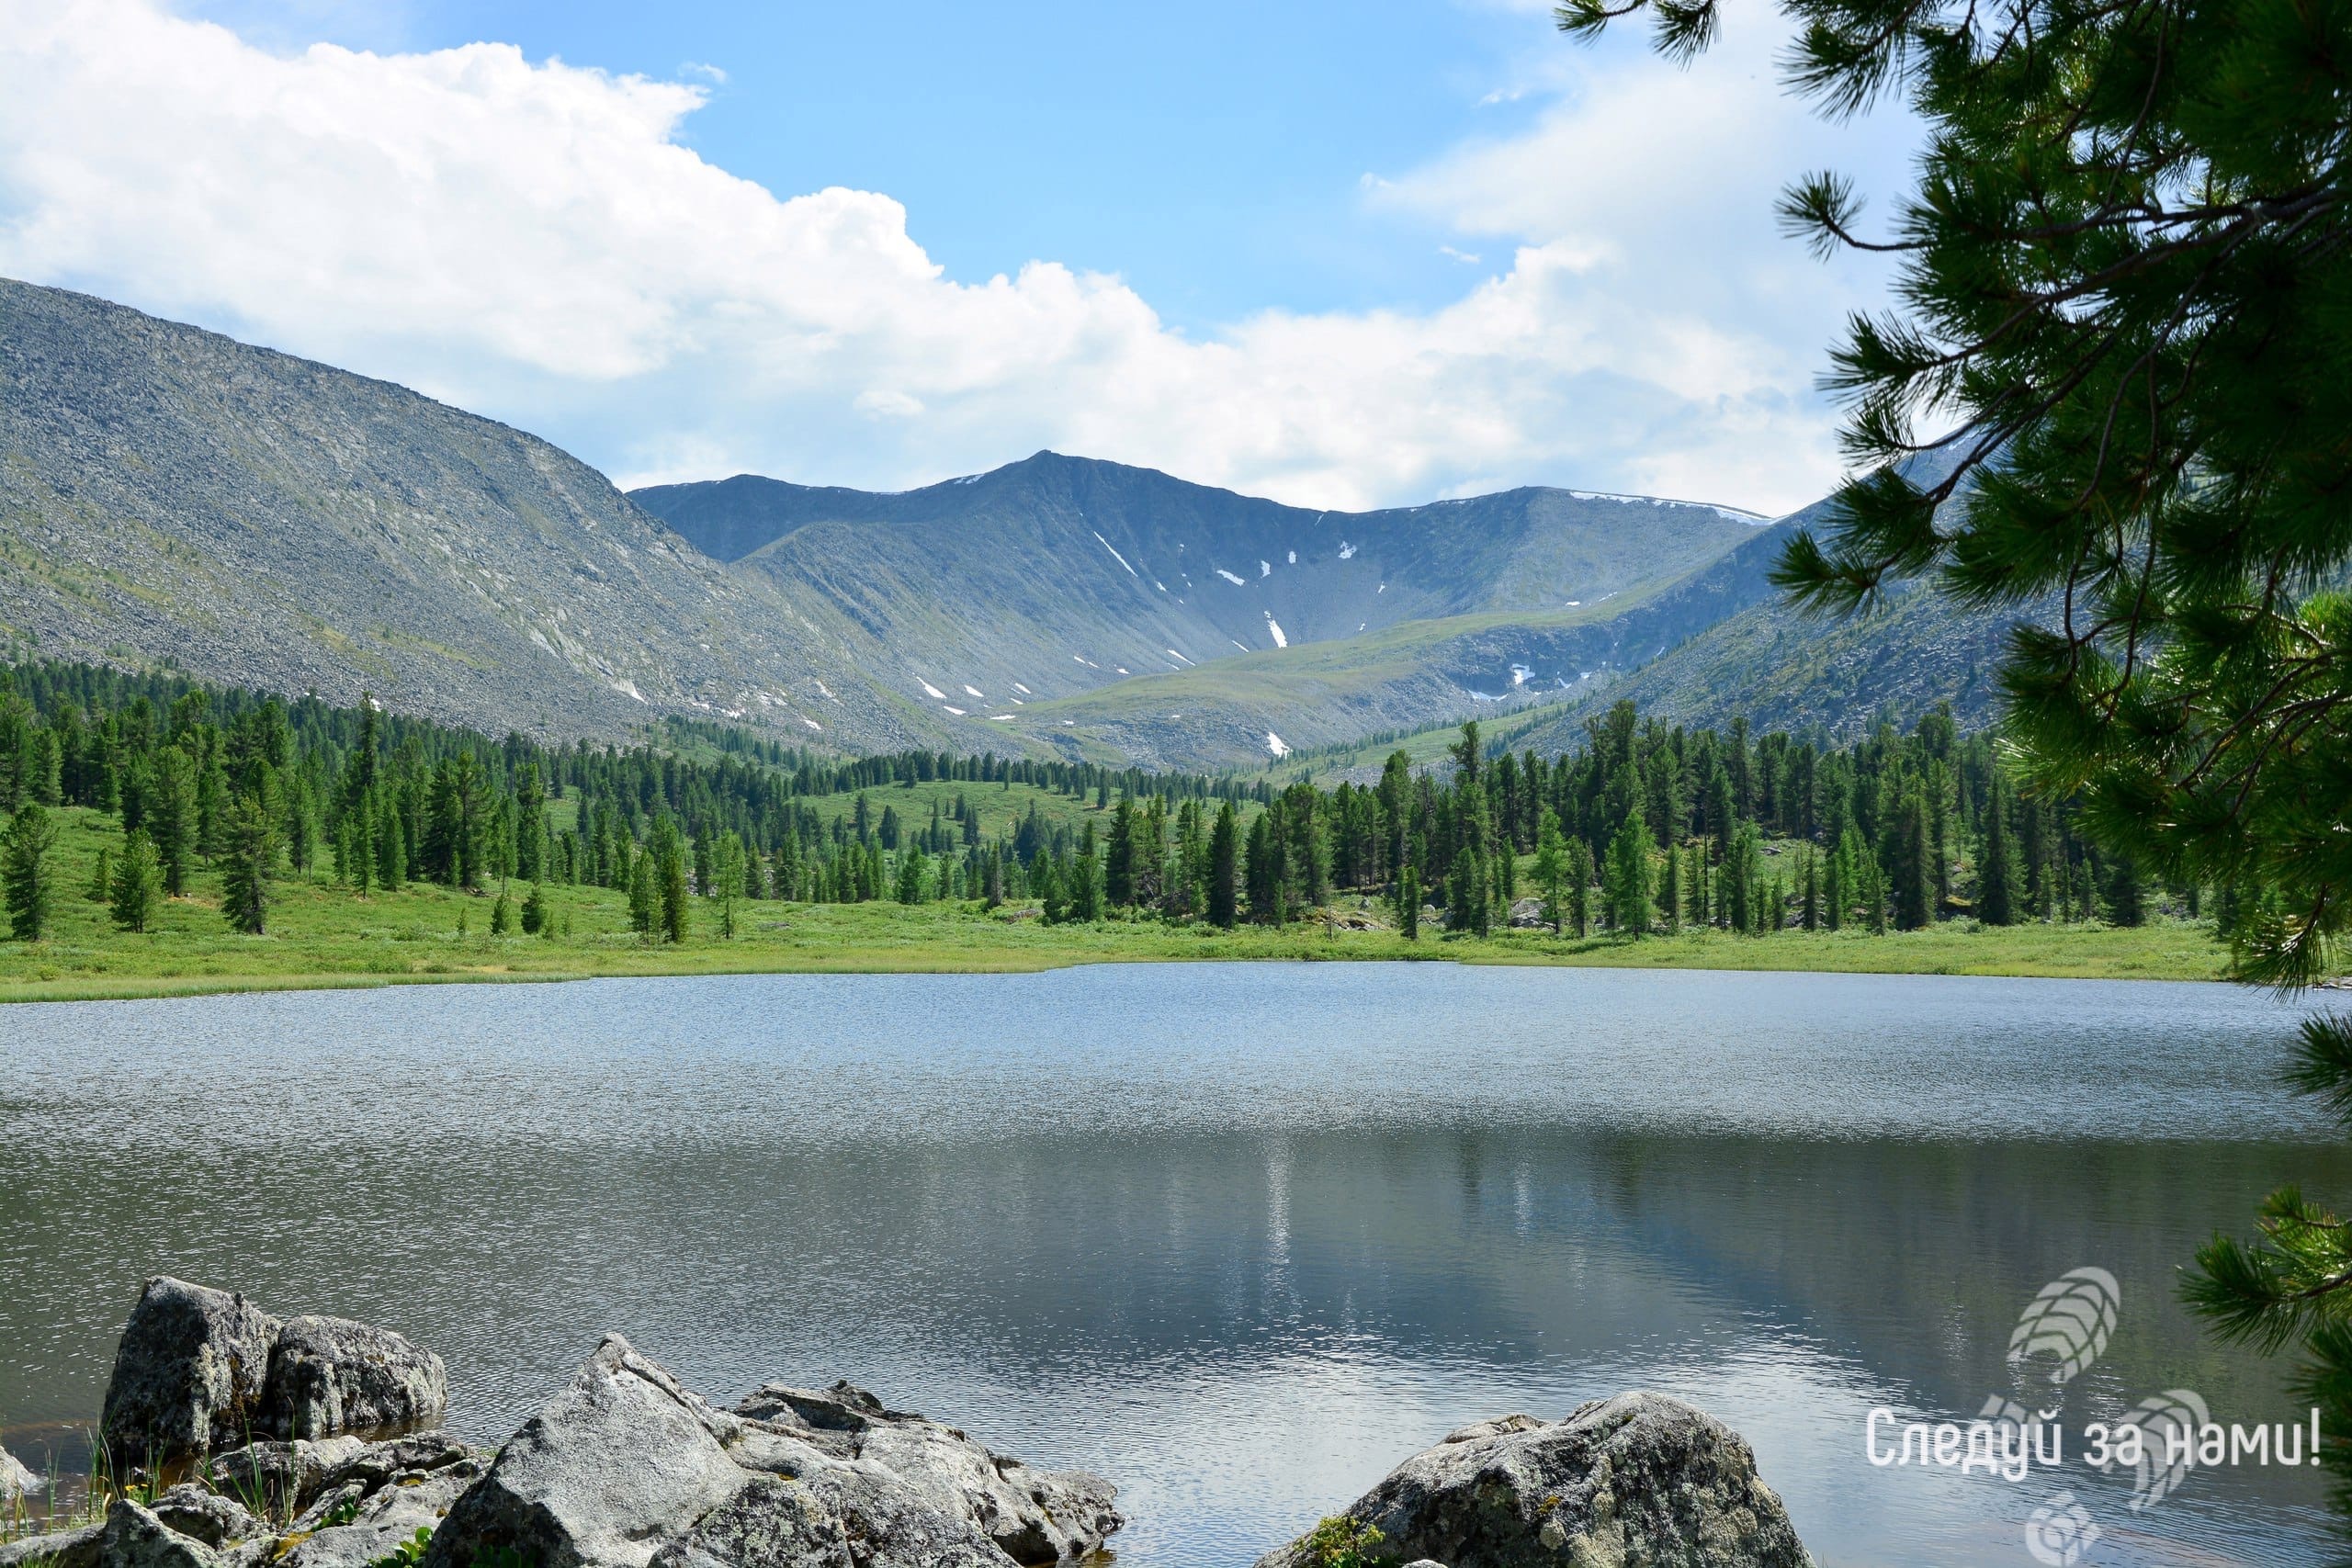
(1211, 153)
(1344, 255)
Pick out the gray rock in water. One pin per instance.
(1638, 1479)
(201, 1513)
(1032, 1517)
(201, 1370)
(17, 1483)
(611, 1468)
(329, 1375)
(134, 1538)
(189, 1373)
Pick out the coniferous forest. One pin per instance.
(1642, 829)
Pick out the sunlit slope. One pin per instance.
(169, 493)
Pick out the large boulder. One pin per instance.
(202, 1370)
(189, 1373)
(842, 1515)
(610, 1468)
(215, 1519)
(17, 1483)
(76, 1548)
(1638, 1479)
(1034, 1516)
(330, 1375)
(134, 1538)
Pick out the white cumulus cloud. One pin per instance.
(532, 240)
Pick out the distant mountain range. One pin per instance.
(168, 493)
(1065, 578)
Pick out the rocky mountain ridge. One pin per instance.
(171, 496)
(1058, 575)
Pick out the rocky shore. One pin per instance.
(250, 1441)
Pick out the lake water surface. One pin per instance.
(1239, 1237)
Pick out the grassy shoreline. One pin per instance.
(323, 936)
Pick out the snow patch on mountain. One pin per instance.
(1116, 556)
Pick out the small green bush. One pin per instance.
(1344, 1542)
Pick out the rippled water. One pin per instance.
(1238, 1236)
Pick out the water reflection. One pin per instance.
(1238, 1236)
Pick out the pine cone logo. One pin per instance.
(2168, 1424)
(2059, 1532)
(2070, 1320)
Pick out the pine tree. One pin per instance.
(169, 815)
(733, 868)
(2126, 899)
(249, 853)
(1631, 877)
(1996, 890)
(138, 887)
(2121, 272)
(1838, 883)
(535, 913)
(1551, 870)
(502, 914)
(355, 852)
(1743, 893)
(26, 874)
(390, 841)
(1086, 882)
(301, 827)
(1467, 902)
(1119, 864)
(1580, 875)
(101, 886)
(1409, 903)
(1224, 870)
(644, 902)
(1262, 869)
(676, 908)
(1913, 856)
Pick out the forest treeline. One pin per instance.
(1644, 827)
